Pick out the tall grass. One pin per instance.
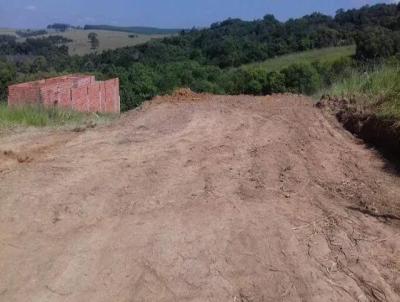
(38, 116)
(323, 55)
(377, 89)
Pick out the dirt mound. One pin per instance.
(224, 199)
(179, 95)
(183, 93)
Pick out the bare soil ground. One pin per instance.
(199, 198)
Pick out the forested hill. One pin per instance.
(235, 42)
(204, 60)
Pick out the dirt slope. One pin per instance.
(209, 198)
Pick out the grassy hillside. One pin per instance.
(367, 103)
(329, 54)
(135, 29)
(108, 39)
(376, 91)
(8, 31)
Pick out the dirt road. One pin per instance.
(206, 199)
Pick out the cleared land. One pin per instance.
(199, 198)
(108, 39)
(8, 31)
(136, 29)
(316, 55)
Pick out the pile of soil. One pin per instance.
(181, 94)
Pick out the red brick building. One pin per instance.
(76, 92)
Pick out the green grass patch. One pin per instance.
(38, 116)
(144, 30)
(377, 89)
(316, 55)
(108, 39)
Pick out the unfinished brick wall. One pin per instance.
(78, 92)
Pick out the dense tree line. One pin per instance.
(61, 27)
(377, 42)
(47, 46)
(234, 42)
(209, 60)
(134, 29)
(30, 33)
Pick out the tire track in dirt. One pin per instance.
(201, 198)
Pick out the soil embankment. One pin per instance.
(381, 133)
(199, 198)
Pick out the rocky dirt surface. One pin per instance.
(199, 198)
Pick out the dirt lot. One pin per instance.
(206, 198)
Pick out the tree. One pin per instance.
(61, 27)
(275, 83)
(39, 64)
(377, 42)
(7, 76)
(94, 41)
(301, 78)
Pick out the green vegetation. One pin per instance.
(323, 55)
(61, 27)
(212, 59)
(7, 76)
(30, 33)
(40, 117)
(108, 40)
(377, 42)
(52, 48)
(376, 90)
(367, 103)
(93, 40)
(8, 31)
(203, 59)
(77, 39)
(135, 29)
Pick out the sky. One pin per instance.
(159, 13)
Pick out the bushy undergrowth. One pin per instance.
(141, 82)
(376, 88)
(40, 117)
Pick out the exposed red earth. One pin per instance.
(199, 198)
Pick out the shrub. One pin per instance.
(7, 76)
(275, 83)
(302, 78)
(377, 42)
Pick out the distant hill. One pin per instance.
(78, 43)
(135, 29)
(108, 39)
